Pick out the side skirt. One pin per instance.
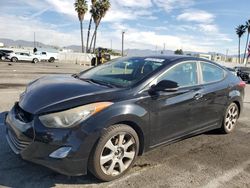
(187, 135)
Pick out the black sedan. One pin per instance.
(4, 54)
(101, 119)
(243, 73)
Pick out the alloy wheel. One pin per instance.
(231, 117)
(117, 154)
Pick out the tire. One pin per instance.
(112, 158)
(14, 59)
(230, 118)
(52, 60)
(35, 61)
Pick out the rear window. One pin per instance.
(211, 73)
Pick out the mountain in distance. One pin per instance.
(77, 48)
(22, 43)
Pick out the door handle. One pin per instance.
(198, 96)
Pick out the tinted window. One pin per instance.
(211, 73)
(185, 74)
(124, 72)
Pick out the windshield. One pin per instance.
(123, 72)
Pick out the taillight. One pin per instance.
(242, 84)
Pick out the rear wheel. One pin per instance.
(115, 153)
(14, 59)
(230, 118)
(52, 60)
(35, 60)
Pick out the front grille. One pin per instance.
(22, 115)
(16, 144)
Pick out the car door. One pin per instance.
(171, 112)
(214, 96)
(22, 57)
(28, 57)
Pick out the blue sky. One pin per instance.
(195, 25)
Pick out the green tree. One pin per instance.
(247, 27)
(240, 30)
(178, 52)
(98, 11)
(81, 8)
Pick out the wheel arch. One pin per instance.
(238, 105)
(139, 132)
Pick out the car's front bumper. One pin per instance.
(35, 143)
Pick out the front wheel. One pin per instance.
(115, 153)
(230, 118)
(14, 59)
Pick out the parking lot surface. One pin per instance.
(206, 160)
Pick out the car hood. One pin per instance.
(55, 93)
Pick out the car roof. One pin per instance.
(170, 58)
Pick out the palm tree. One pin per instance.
(90, 24)
(247, 27)
(240, 30)
(81, 8)
(99, 11)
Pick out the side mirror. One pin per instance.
(165, 86)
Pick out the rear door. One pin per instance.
(214, 96)
(171, 112)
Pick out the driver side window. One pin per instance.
(185, 74)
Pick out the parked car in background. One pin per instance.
(244, 73)
(4, 54)
(47, 56)
(101, 119)
(22, 56)
(232, 70)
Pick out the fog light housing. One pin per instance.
(60, 153)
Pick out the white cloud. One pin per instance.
(207, 28)
(24, 29)
(63, 6)
(169, 5)
(134, 3)
(199, 16)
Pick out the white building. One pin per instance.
(1, 44)
(206, 56)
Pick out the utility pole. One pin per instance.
(226, 55)
(111, 44)
(123, 43)
(164, 48)
(34, 39)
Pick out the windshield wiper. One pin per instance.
(97, 82)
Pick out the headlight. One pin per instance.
(71, 117)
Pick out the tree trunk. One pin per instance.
(87, 45)
(239, 50)
(246, 49)
(95, 40)
(82, 36)
(93, 37)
